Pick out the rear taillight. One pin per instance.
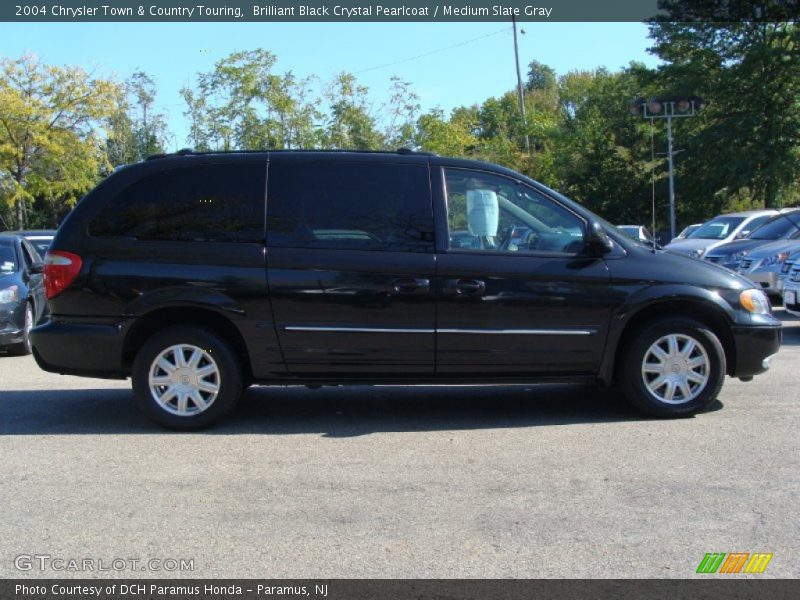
(60, 269)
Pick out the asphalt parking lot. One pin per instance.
(550, 481)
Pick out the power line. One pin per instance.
(418, 56)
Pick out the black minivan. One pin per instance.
(198, 274)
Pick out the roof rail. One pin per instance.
(190, 152)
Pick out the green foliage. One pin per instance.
(242, 103)
(540, 77)
(743, 151)
(448, 137)
(134, 130)
(402, 111)
(350, 123)
(50, 125)
(750, 73)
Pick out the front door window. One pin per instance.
(489, 213)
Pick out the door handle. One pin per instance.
(469, 287)
(409, 285)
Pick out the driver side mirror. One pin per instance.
(597, 241)
(36, 268)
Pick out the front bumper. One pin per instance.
(12, 321)
(92, 350)
(755, 345)
(792, 308)
(767, 280)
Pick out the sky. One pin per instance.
(449, 64)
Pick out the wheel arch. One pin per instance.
(149, 323)
(699, 309)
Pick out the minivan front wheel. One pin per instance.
(186, 378)
(674, 367)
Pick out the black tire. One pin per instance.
(632, 379)
(23, 348)
(228, 378)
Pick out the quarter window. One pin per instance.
(488, 213)
(211, 202)
(362, 206)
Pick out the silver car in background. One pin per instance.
(763, 265)
(788, 265)
(791, 287)
(720, 230)
(779, 227)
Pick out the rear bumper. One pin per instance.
(755, 347)
(92, 350)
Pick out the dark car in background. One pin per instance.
(781, 226)
(22, 298)
(40, 239)
(199, 274)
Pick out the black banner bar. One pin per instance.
(391, 11)
(713, 587)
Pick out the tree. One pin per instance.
(748, 70)
(450, 137)
(403, 110)
(601, 154)
(351, 124)
(49, 123)
(135, 130)
(540, 77)
(150, 126)
(243, 104)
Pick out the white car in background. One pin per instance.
(687, 231)
(720, 230)
(639, 233)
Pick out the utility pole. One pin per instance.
(671, 180)
(519, 86)
(668, 109)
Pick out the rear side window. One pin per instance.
(203, 203)
(355, 206)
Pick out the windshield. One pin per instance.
(716, 229)
(776, 228)
(688, 230)
(41, 245)
(8, 259)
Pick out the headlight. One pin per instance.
(754, 301)
(9, 295)
(734, 259)
(775, 258)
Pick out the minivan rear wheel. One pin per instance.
(186, 377)
(673, 367)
